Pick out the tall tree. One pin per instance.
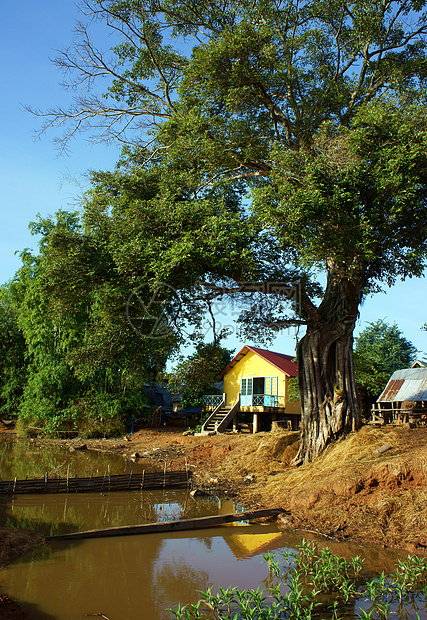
(50, 384)
(314, 111)
(70, 347)
(13, 354)
(197, 374)
(380, 349)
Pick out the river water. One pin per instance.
(131, 577)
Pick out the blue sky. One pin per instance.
(35, 180)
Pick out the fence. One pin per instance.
(212, 400)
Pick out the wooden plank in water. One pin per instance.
(171, 526)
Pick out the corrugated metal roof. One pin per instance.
(407, 384)
(392, 388)
(410, 373)
(279, 360)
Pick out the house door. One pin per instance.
(258, 395)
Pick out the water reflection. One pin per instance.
(142, 576)
(134, 577)
(127, 578)
(25, 459)
(62, 513)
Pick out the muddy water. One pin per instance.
(24, 458)
(53, 514)
(132, 577)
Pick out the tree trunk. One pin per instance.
(328, 393)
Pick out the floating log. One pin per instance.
(124, 482)
(171, 526)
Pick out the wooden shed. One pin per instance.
(404, 398)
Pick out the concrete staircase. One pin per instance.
(221, 418)
(211, 425)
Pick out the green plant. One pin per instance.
(205, 416)
(311, 584)
(272, 563)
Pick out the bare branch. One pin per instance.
(276, 113)
(110, 122)
(142, 105)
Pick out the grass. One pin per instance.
(390, 490)
(314, 584)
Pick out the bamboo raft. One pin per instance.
(125, 482)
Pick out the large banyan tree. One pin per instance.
(302, 125)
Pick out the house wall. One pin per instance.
(252, 365)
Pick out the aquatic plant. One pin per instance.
(314, 584)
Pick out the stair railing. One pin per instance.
(214, 412)
(212, 400)
(230, 415)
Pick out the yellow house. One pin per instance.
(256, 381)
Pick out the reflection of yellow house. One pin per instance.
(256, 540)
(255, 381)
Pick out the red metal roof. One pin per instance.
(391, 389)
(281, 361)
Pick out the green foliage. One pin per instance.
(266, 142)
(314, 583)
(197, 375)
(314, 113)
(156, 230)
(380, 349)
(78, 364)
(100, 414)
(13, 354)
(362, 183)
(293, 388)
